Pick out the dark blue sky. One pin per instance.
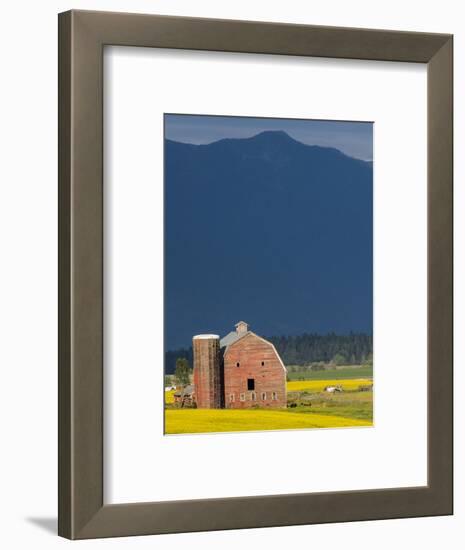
(352, 138)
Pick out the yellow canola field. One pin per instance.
(169, 396)
(179, 421)
(319, 385)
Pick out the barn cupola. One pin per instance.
(242, 327)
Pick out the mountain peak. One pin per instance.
(272, 134)
(263, 225)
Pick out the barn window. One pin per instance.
(250, 384)
(238, 364)
(242, 396)
(274, 396)
(231, 398)
(253, 396)
(263, 363)
(263, 396)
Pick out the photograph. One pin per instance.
(268, 274)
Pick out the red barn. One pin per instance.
(250, 371)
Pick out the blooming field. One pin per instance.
(319, 385)
(179, 421)
(309, 406)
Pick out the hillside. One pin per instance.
(268, 230)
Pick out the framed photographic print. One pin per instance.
(280, 231)
(255, 248)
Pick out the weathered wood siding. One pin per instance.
(270, 377)
(207, 376)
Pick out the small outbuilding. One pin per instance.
(184, 396)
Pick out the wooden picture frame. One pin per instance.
(82, 37)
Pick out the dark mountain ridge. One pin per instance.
(269, 230)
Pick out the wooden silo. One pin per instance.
(207, 374)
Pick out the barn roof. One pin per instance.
(230, 338)
(233, 337)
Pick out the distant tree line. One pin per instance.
(304, 350)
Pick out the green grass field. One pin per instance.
(312, 408)
(339, 373)
(353, 405)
